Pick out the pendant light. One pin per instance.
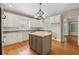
(3, 15)
(40, 14)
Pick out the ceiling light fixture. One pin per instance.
(40, 14)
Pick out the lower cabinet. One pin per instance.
(12, 38)
(9, 38)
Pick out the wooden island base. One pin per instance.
(40, 41)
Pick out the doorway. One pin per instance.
(71, 30)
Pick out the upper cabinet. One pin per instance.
(18, 22)
(10, 21)
(55, 19)
(36, 23)
(13, 20)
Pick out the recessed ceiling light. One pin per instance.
(10, 6)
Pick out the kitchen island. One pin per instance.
(40, 41)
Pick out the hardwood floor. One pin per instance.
(58, 48)
(71, 39)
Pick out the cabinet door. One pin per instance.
(16, 20)
(9, 20)
(57, 19)
(10, 38)
(52, 19)
(5, 21)
(19, 37)
(34, 41)
(26, 35)
(31, 41)
(22, 36)
(39, 45)
(32, 23)
(3, 40)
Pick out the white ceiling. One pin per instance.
(48, 8)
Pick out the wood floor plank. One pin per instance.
(58, 48)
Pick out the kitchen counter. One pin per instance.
(11, 31)
(41, 33)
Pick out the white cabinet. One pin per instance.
(11, 38)
(25, 35)
(33, 23)
(12, 20)
(19, 37)
(15, 21)
(52, 19)
(55, 19)
(55, 26)
(36, 23)
(5, 21)
(9, 20)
